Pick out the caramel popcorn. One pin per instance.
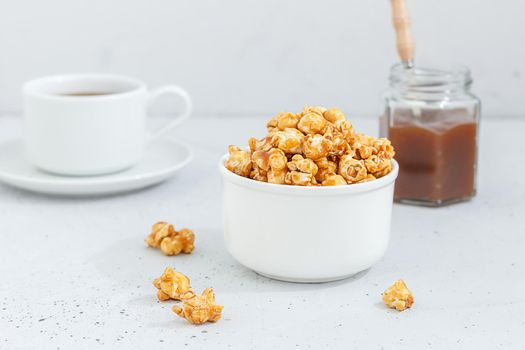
(398, 296)
(384, 146)
(312, 123)
(261, 160)
(171, 285)
(300, 179)
(287, 120)
(289, 140)
(334, 115)
(347, 130)
(171, 242)
(198, 309)
(261, 165)
(298, 163)
(316, 147)
(363, 145)
(351, 169)
(259, 175)
(278, 163)
(239, 161)
(326, 169)
(159, 231)
(334, 180)
(376, 163)
(313, 109)
(368, 177)
(181, 241)
(264, 144)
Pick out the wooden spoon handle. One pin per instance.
(404, 41)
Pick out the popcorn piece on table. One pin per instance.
(171, 285)
(159, 231)
(198, 309)
(171, 242)
(181, 241)
(398, 296)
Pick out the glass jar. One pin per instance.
(432, 120)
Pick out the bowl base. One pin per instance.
(307, 280)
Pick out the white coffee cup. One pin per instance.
(90, 124)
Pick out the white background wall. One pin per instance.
(253, 57)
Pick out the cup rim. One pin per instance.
(30, 88)
(369, 186)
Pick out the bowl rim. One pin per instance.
(369, 186)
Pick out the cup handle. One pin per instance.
(173, 90)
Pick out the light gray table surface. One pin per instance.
(76, 274)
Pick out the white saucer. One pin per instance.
(161, 160)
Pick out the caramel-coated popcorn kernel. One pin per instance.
(376, 163)
(384, 146)
(383, 172)
(311, 123)
(334, 180)
(171, 285)
(334, 115)
(298, 163)
(369, 177)
(181, 241)
(264, 144)
(288, 140)
(239, 161)
(277, 161)
(326, 168)
(347, 130)
(259, 175)
(313, 109)
(171, 242)
(398, 296)
(261, 160)
(159, 231)
(287, 120)
(316, 146)
(299, 179)
(198, 309)
(351, 169)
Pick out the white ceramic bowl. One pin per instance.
(307, 234)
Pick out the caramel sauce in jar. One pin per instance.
(435, 139)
